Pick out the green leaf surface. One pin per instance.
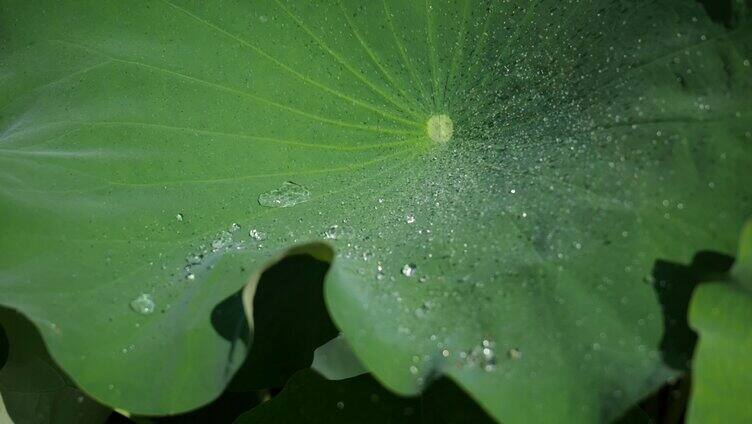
(335, 360)
(32, 388)
(588, 139)
(310, 398)
(721, 313)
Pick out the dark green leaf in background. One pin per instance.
(309, 398)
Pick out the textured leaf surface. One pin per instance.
(721, 313)
(589, 139)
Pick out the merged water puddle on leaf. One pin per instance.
(143, 304)
(288, 195)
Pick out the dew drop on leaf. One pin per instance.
(143, 304)
(257, 235)
(332, 232)
(408, 270)
(223, 240)
(514, 354)
(287, 195)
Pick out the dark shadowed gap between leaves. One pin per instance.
(309, 398)
(290, 322)
(3, 347)
(730, 13)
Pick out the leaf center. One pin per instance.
(440, 128)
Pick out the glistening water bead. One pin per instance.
(440, 128)
(287, 195)
(408, 270)
(143, 304)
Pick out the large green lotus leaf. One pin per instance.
(506, 250)
(721, 313)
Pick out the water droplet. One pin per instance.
(340, 405)
(224, 239)
(408, 270)
(234, 227)
(410, 219)
(332, 232)
(257, 235)
(445, 353)
(179, 217)
(421, 311)
(515, 353)
(287, 195)
(191, 276)
(143, 304)
(440, 128)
